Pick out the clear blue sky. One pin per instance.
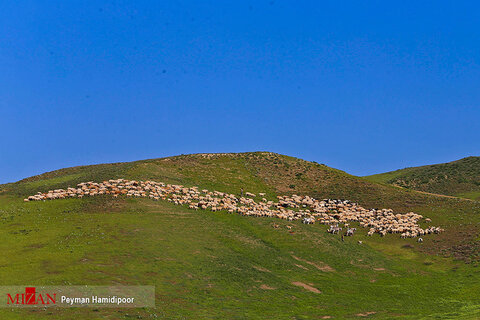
(363, 86)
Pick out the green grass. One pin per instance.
(474, 195)
(457, 178)
(388, 176)
(203, 264)
(208, 265)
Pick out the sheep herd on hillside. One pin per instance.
(304, 208)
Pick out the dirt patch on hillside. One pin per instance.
(261, 269)
(353, 263)
(265, 287)
(301, 267)
(306, 287)
(319, 265)
(365, 314)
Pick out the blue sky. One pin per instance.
(363, 86)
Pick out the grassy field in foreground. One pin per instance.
(218, 265)
(209, 265)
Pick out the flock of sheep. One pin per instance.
(305, 208)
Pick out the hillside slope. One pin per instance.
(217, 265)
(459, 178)
(254, 171)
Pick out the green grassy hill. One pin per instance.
(458, 178)
(215, 265)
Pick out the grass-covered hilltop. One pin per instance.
(459, 178)
(219, 265)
